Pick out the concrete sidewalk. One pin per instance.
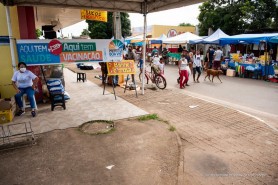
(87, 103)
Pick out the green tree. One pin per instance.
(85, 32)
(237, 16)
(185, 24)
(38, 33)
(104, 30)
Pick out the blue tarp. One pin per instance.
(247, 38)
(274, 39)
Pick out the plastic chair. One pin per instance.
(28, 105)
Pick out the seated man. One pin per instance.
(155, 62)
(24, 82)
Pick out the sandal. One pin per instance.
(33, 113)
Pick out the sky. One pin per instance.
(173, 17)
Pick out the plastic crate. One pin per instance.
(7, 115)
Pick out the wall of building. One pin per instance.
(158, 30)
(6, 69)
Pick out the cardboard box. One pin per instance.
(7, 115)
(231, 72)
(7, 103)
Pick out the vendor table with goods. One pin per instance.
(251, 70)
(174, 57)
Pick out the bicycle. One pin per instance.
(156, 78)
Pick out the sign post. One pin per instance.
(125, 67)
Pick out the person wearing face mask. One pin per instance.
(24, 82)
(155, 62)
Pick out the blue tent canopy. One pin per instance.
(247, 38)
(274, 39)
(159, 39)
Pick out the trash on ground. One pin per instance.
(110, 167)
(193, 106)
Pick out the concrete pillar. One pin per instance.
(6, 88)
(26, 22)
(117, 25)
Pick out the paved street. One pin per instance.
(255, 97)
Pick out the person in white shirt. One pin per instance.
(218, 56)
(24, 82)
(183, 69)
(197, 63)
(155, 62)
(155, 59)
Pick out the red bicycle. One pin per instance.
(157, 78)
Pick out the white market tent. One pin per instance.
(182, 38)
(137, 38)
(212, 39)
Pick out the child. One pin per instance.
(161, 66)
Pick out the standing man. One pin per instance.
(202, 57)
(218, 56)
(210, 56)
(197, 66)
(131, 56)
(154, 51)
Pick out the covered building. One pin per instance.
(154, 31)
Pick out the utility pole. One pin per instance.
(117, 25)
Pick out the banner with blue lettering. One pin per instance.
(44, 52)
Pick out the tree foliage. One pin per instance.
(85, 32)
(238, 16)
(104, 30)
(185, 24)
(38, 33)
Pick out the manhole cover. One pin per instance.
(97, 127)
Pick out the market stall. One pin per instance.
(247, 64)
(184, 38)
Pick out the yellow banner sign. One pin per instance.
(94, 15)
(121, 68)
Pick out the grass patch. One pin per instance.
(172, 128)
(155, 117)
(148, 117)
